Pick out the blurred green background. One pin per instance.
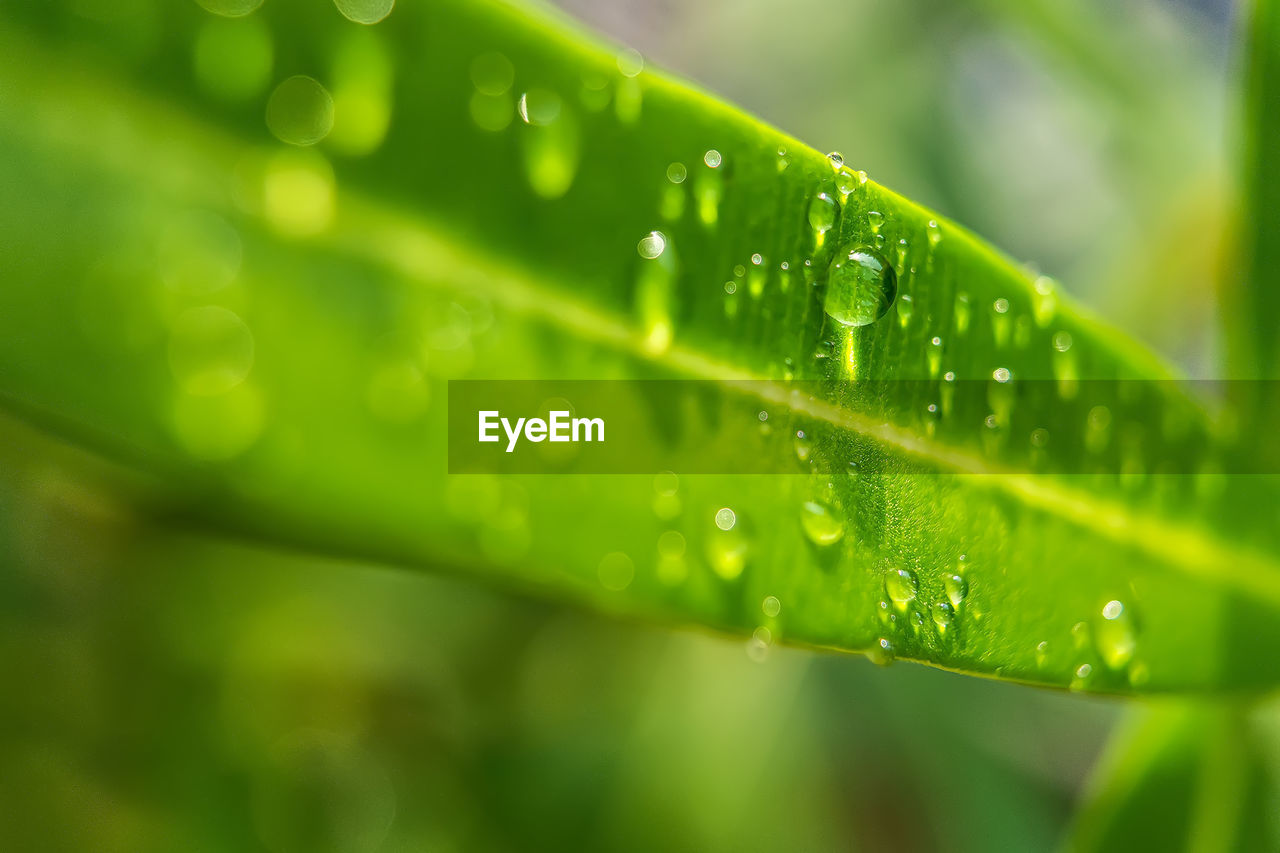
(162, 691)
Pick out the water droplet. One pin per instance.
(549, 143)
(875, 219)
(1082, 675)
(1062, 341)
(492, 73)
(652, 245)
(962, 313)
(1000, 306)
(676, 173)
(1042, 654)
(944, 616)
(365, 11)
(616, 571)
(771, 606)
(882, 653)
(1097, 430)
(726, 518)
(230, 8)
(836, 159)
(730, 287)
(934, 356)
(803, 446)
(822, 524)
(630, 62)
(933, 232)
(822, 213)
(653, 294)
(784, 159)
(1046, 301)
(757, 259)
(1001, 375)
(712, 158)
(1115, 636)
(956, 587)
(846, 183)
(861, 287)
(300, 111)
(906, 307)
(901, 587)
(727, 553)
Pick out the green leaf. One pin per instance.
(1255, 303)
(266, 331)
(1179, 776)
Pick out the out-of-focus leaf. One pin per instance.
(1179, 776)
(268, 329)
(1252, 336)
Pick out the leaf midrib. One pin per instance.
(408, 244)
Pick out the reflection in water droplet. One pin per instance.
(365, 11)
(861, 287)
(822, 524)
(300, 111)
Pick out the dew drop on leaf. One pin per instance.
(822, 524)
(900, 585)
(861, 287)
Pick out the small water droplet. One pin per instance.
(365, 11)
(836, 159)
(934, 356)
(1062, 341)
(712, 158)
(882, 653)
(771, 606)
(730, 287)
(726, 518)
(861, 288)
(630, 62)
(962, 313)
(875, 219)
(846, 183)
(944, 616)
(822, 524)
(822, 213)
(676, 173)
(933, 232)
(906, 307)
(300, 111)
(1042, 654)
(1001, 375)
(652, 245)
(757, 259)
(803, 446)
(1115, 636)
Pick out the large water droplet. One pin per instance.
(822, 524)
(861, 287)
(957, 588)
(300, 111)
(900, 585)
(822, 213)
